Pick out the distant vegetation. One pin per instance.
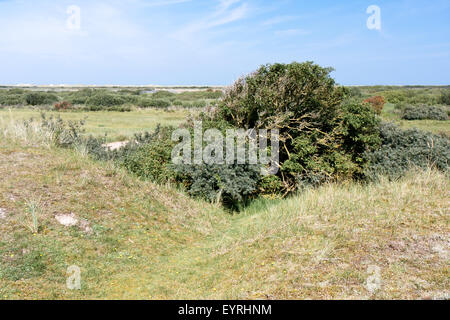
(354, 190)
(328, 133)
(107, 100)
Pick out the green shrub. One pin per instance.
(12, 100)
(321, 137)
(424, 112)
(80, 96)
(40, 98)
(111, 108)
(198, 104)
(163, 94)
(104, 99)
(445, 98)
(151, 103)
(403, 149)
(230, 185)
(149, 157)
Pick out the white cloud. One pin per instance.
(292, 32)
(226, 12)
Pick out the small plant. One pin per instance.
(33, 210)
(377, 103)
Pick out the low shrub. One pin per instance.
(230, 185)
(424, 112)
(40, 98)
(62, 106)
(150, 158)
(80, 96)
(104, 99)
(402, 150)
(12, 100)
(377, 103)
(445, 98)
(152, 103)
(111, 108)
(163, 94)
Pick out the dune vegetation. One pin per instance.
(358, 209)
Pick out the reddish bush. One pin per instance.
(63, 106)
(377, 103)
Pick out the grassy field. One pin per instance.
(434, 126)
(136, 240)
(117, 125)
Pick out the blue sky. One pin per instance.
(210, 42)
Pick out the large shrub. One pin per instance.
(80, 96)
(424, 112)
(402, 150)
(321, 137)
(105, 99)
(40, 98)
(12, 99)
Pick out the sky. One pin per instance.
(214, 42)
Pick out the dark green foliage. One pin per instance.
(445, 98)
(321, 137)
(105, 99)
(230, 185)
(119, 108)
(163, 95)
(12, 99)
(153, 103)
(80, 96)
(151, 157)
(424, 112)
(402, 150)
(40, 98)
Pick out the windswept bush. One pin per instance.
(402, 150)
(424, 112)
(377, 103)
(322, 138)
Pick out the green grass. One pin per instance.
(434, 126)
(153, 242)
(117, 125)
